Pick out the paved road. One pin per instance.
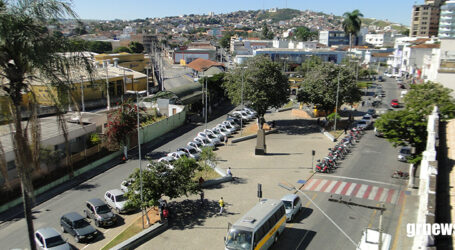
(367, 181)
(47, 213)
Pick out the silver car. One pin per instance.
(191, 151)
(49, 238)
(196, 144)
(212, 138)
(204, 142)
(292, 204)
(116, 199)
(212, 132)
(222, 131)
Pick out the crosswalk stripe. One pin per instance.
(308, 184)
(346, 188)
(362, 191)
(395, 197)
(330, 187)
(340, 188)
(318, 188)
(390, 195)
(384, 195)
(373, 192)
(367, 192)
(313, 187)
(356, 189)
(378, 194)
(326, 185)
(338, 183)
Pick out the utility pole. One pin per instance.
(336, 103)
(380, 208)
(82, 94)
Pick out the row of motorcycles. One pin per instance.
(339, 152)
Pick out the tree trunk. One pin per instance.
(24, 167)
(28, 217)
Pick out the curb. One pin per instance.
(285, 109)
(252, 136)
(330, 136)
(142, 237)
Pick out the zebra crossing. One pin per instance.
(357, 190)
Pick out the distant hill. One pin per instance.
(280, 15)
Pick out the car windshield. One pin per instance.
(120, 198)
(405, 151)
(102, 209)
(239, 240)
(193, 151)
(287, 204)
(80, 223)
(54, 241)
(361, 122)
(211, 136)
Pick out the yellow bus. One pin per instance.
(259, 228)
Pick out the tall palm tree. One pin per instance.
(29, 52)
(352, 24)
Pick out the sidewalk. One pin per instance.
(192, 226)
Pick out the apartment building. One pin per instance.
(333, 37)
(439, 66)
(447, 20)
(425, 19)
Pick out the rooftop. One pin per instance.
(201, 64)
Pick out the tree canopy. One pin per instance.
(352, 23)
(321, 83)
(159, 180)
(264, 85)
(136, 47)
(266, 33)
(408, 126)
(304, 34)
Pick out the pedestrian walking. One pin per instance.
(202, 198)
(221, 202)
(229, 172)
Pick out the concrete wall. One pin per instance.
(157, 129)
(428, 170)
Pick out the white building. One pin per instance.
(395, 61)
(379, 40)
(440, 65)
(447, 20)
(302, 45)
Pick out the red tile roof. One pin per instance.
(203, 64)
(381, 54)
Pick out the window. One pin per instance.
(11, 165)
(40, 239)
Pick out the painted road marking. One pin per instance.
(358, 179)
(362, 190)
(357, 190)
(318, 188)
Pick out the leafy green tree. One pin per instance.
(159, 180)
(215, 87)
(99, 46)
(308, 65)
(121, 123)
(136, 47)
(304, 34)
(122, 49)
(321, 83)
(28, 51)
(225, 41)
(408, 126)
(351, 24)
(264, 85)
(266, 33)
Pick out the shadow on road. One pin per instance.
(85, 186)
(297, 127)
(294, 238)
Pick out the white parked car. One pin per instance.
(361, 124)
(195, 144)
(368, 119)
(116, 199)
(49, 238)
(222, 131)
(168, 160)
(212, 138)
(204, 142)
(217, 134)
(178, 154)
(230, 125)
(243, 115)
(126, 184)
(404, 153)
(191, 152)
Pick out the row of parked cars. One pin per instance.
(209, 137)
(79, 226)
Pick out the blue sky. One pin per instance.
(392, 10)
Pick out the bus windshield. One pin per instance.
(239, 240)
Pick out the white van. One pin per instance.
(293, 205)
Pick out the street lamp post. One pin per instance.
(82, 94)
(336, 103)
(241, 119)
(147, 72)
(107, 86)
(139, 149)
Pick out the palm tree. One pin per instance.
(352, 24)
(29, 52)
